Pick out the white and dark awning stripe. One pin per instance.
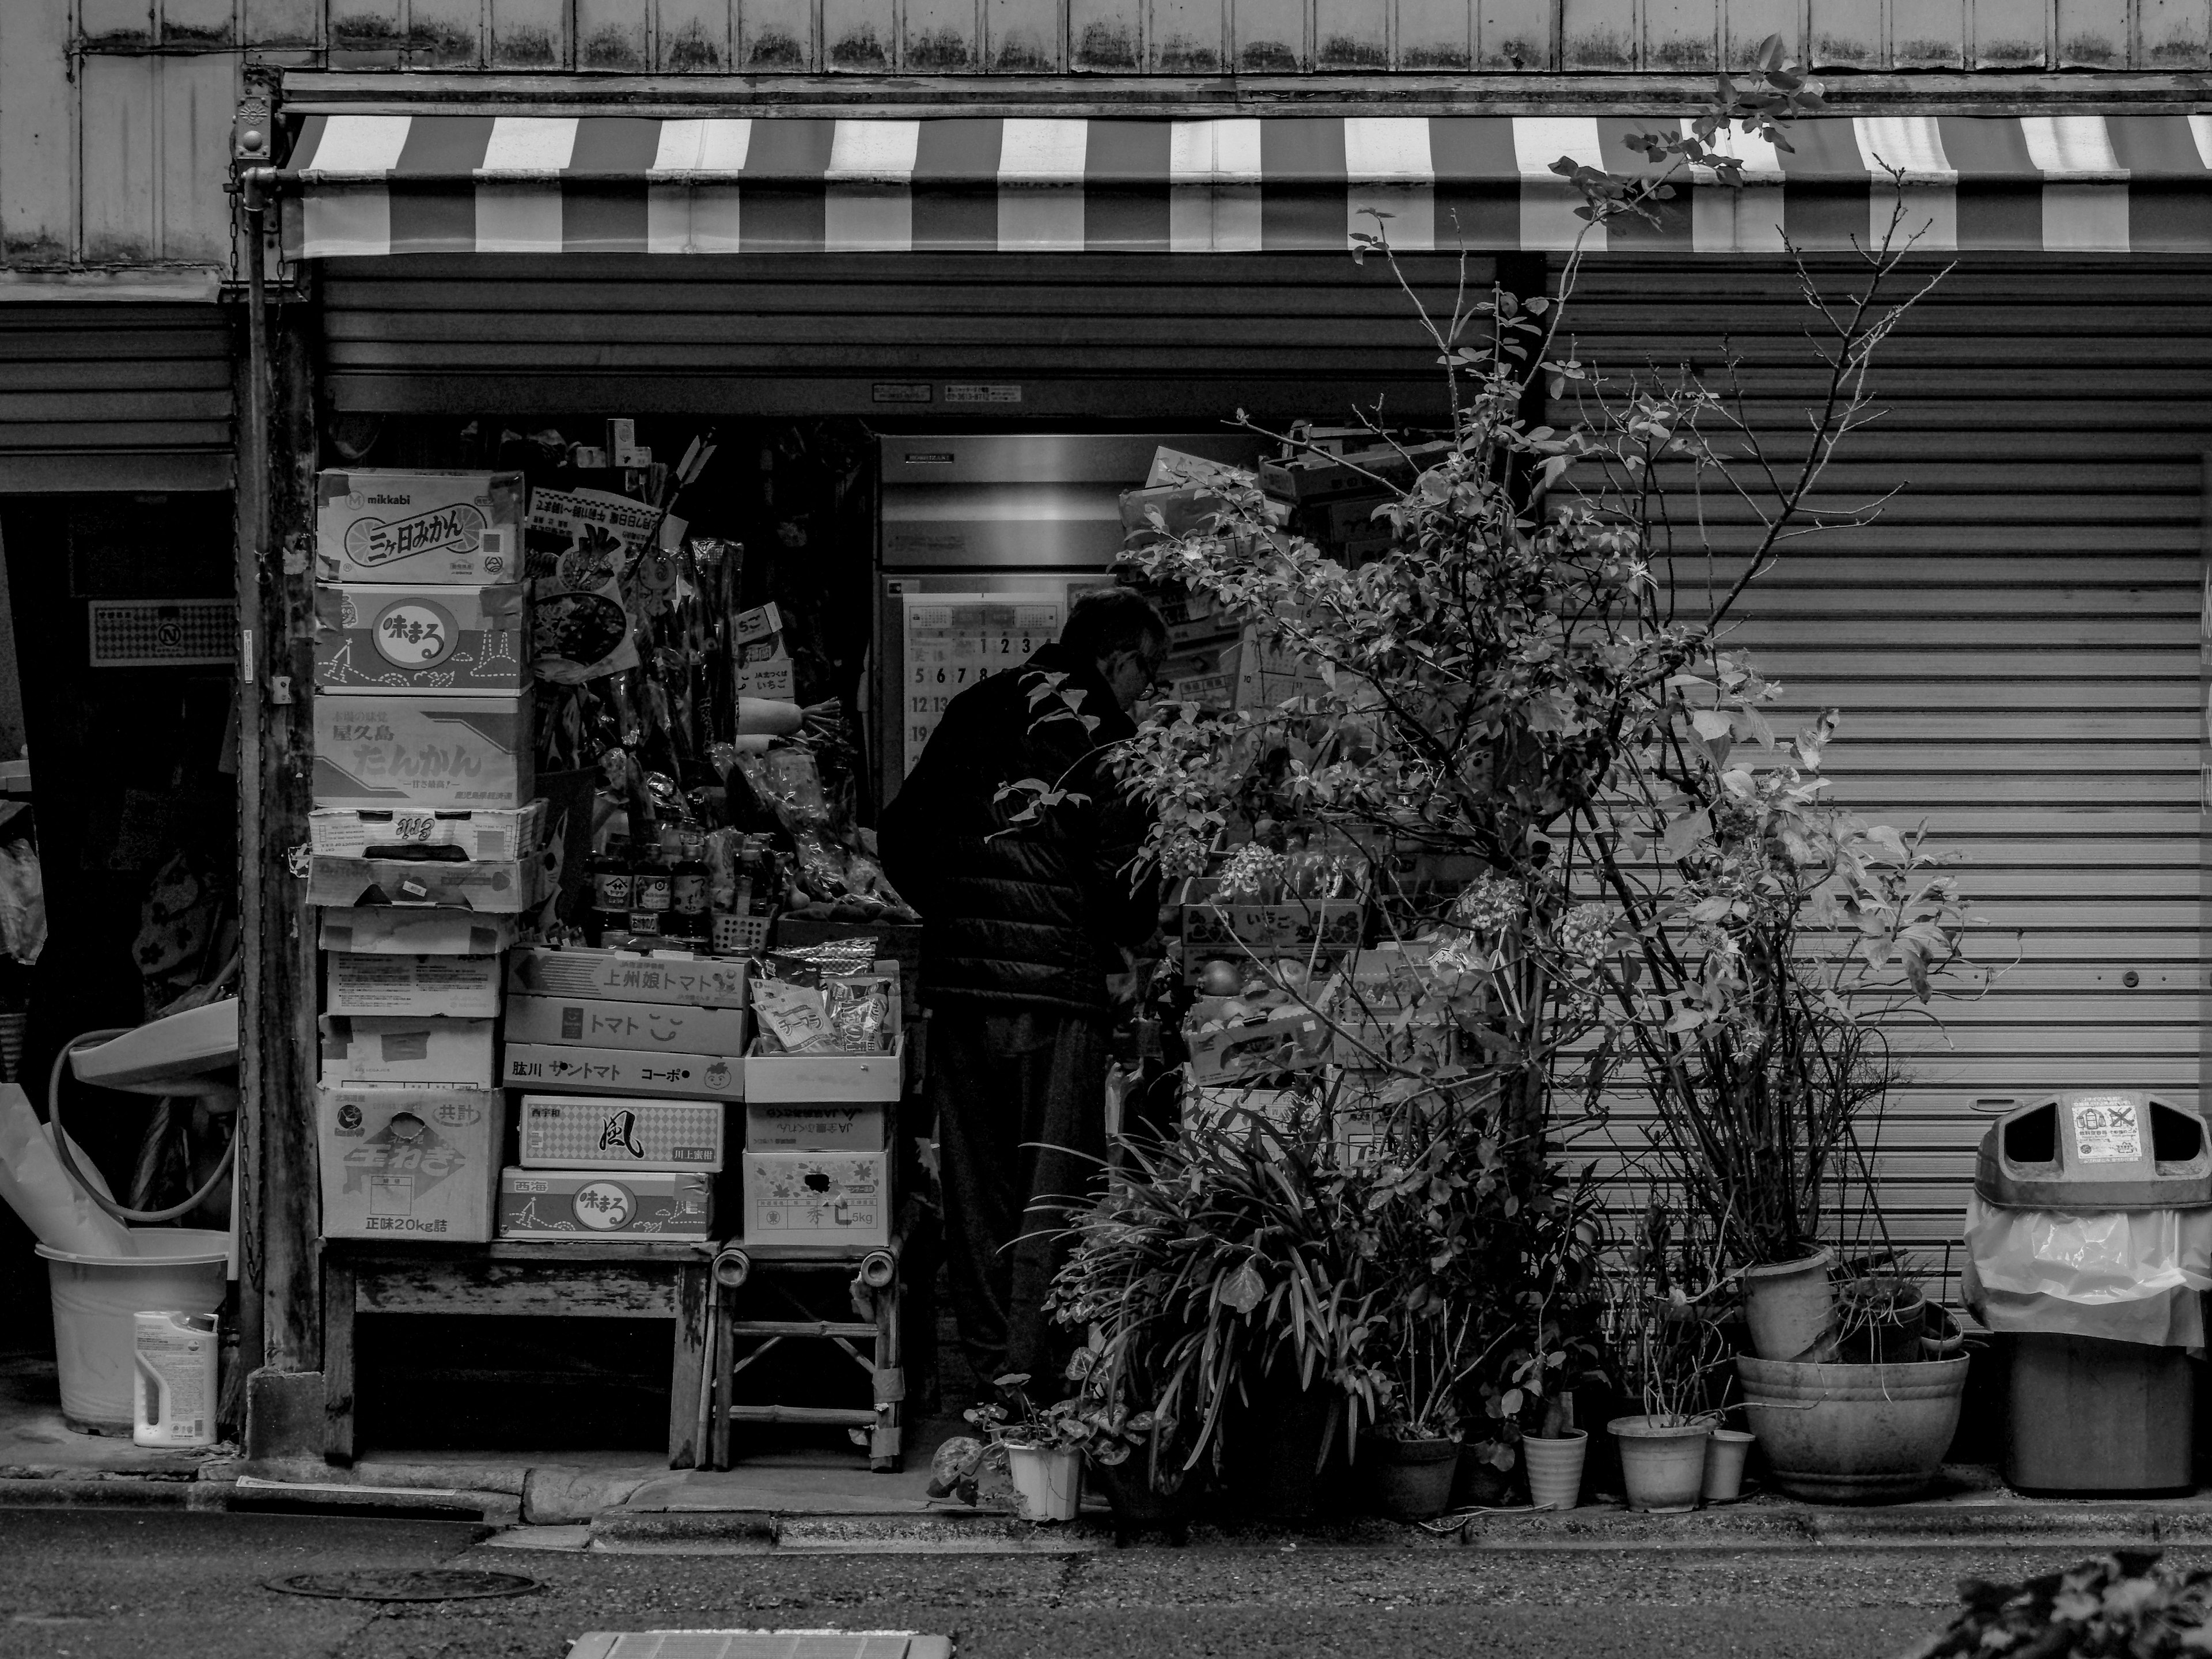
(379, 184)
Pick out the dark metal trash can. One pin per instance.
(2090, 1240)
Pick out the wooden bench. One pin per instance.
(657, 1279)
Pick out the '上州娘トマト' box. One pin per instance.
(627, 976)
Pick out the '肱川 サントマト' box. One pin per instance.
(425, 750)
(564, 1068)
(585, 1205)
(374, 637)
(448, 528)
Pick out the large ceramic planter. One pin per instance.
(1408, 1479)
(1852, 1434)
(1662, 1464)
(1555, 1468)
(1047, 1482)
(1789, 1306)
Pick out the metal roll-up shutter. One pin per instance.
(2014, 647)
(114, 395)
(1004, 336)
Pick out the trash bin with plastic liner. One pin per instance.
(2088, 1240)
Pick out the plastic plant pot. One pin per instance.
(1662, 1464)
(1408, 1479)
(1789, 1307)
(1724, 1459)
(1554, 1468)
(1047, 1482)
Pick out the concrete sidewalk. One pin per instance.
(823, 1499)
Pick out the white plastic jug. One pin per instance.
(94, 1298)
(173, 1357)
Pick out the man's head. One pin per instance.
(1118, 628)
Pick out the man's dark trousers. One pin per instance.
(1020, 1100)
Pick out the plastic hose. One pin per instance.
(143, 1218)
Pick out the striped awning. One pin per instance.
(375, 184)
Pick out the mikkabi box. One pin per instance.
(575, 1131)
(591, 1205)
(446, 528)
(817, 1198)
(406, 1049)
(379, 831)
(367, 982)
(649, 1027)
(410, 749)
(624, 1072)
(409, 1163)
(374, 637)
(627, 976)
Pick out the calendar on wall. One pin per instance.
(953, 641)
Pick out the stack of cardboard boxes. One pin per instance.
(623, 1067)
(817, 1156)
(425, 843)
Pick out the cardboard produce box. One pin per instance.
(581, 1131)
(497, 886)
(375, 637)
(451, 749)
(838, 1199)
(649, 1027)
(409, 1163)
(816, 1128)
(412, 1049)
(450, 528)
(590, 1207)
(378, 831)
(808, 1079)
(563, 1069)
(367, 982)
(395, 930)
(1295, 1040)
(627, 976)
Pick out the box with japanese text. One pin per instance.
(808, 1078)
(577, 1132)
(409, 1163)
(394, 1049)
(649, 1027)
(375, 637)
(835, 1199)
(364, 982)
(436, 750)
(497, 886)
(1294, 1040)
(563, 1069)
(591, 1207)
(381, 831)
(447, 528)
(816, 1128)
(394, 930)
(627, 976)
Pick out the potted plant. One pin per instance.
(1671, 1348)
(1044, 1447)
(1131, 1454)
(1409, 1461)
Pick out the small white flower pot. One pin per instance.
(1047, 1482)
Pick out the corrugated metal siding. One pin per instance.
(114, 397)
(1157, 335)
(2014, 646)
(1172, 37)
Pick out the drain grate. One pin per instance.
(759, 1644)
(408, 1584)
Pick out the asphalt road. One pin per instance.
(117, 1584)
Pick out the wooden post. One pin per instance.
(278, 455)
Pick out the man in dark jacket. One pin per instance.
(1025, 920)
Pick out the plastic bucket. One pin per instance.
(95, 1299)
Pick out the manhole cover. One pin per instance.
(406, 1585)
